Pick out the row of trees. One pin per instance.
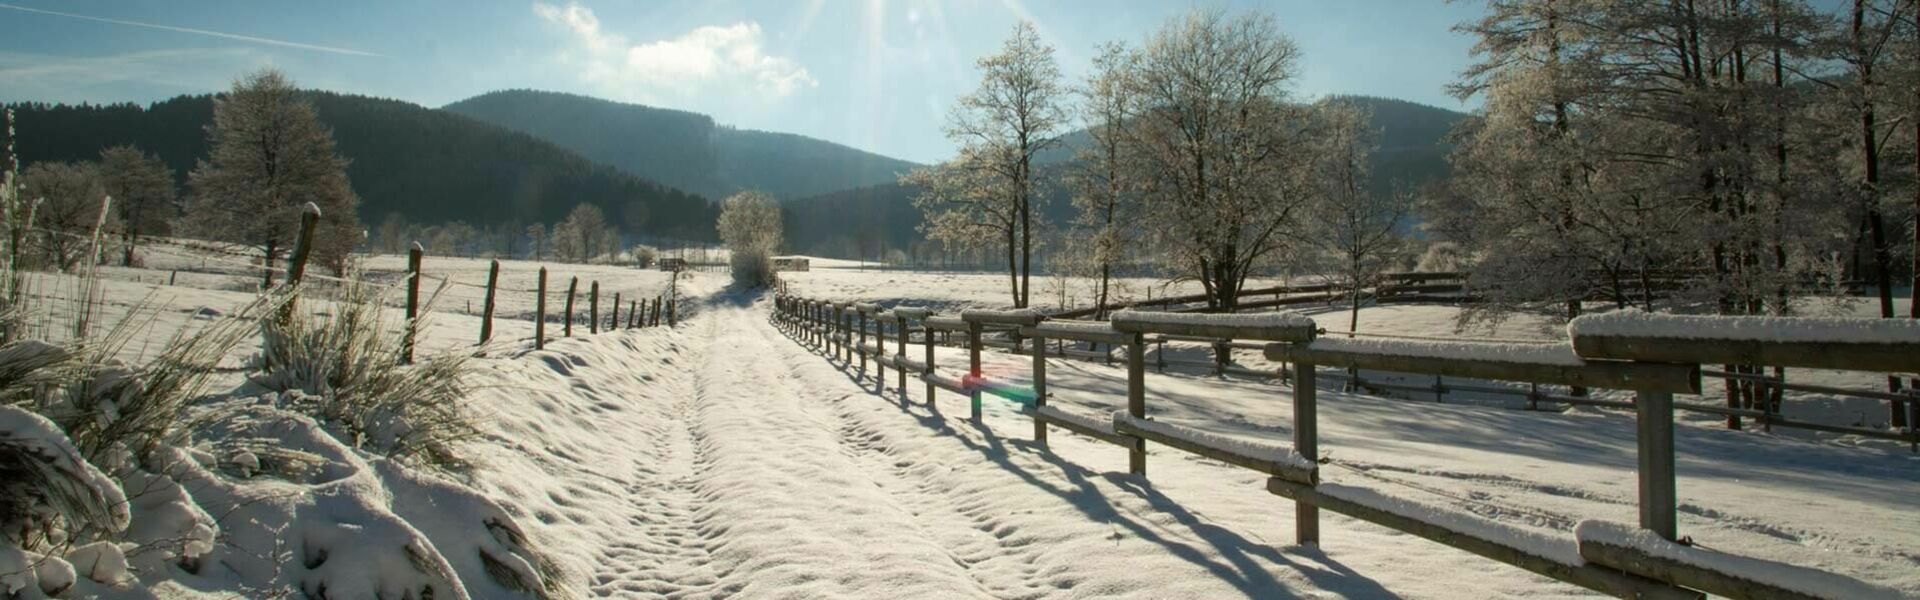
(1198, 157)
(69, 197)
(584, 235)
(1727, 153)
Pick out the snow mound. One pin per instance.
(1549, 353)
(1810, 582)
(1639, 323)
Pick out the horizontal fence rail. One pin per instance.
(1651, 356)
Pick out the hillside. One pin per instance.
(427, 165)
(1411, 151)
(684, 149)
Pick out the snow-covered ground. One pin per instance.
(722, 458)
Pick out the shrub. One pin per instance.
(349, 372)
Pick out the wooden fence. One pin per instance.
(641, 312)
(1652, 356)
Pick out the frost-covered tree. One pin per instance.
(269, 156)
(966, 205)
(1102, 178)
(68, 198)
(1017, 112)
(578, 237)
(537, 241)
(143, 194)
(1220, 146)
(1356, 231)
(750, 227)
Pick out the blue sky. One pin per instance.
(875, 74)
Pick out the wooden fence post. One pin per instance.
(302, 249)
(670, 304)
(573, 284)
(413, 301)
(1306, 442)
(486, 317)
(1658, 501)
(863, 339)
(927, 329)
(1039, 388)
(1222, 354)
(1137, 399)
(973, 369)
(613, 321)
(902, 345)
(633, 312)
(879, 358)
(540, 313)
(656, 312)
(593, 308)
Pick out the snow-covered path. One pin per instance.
(722, 459)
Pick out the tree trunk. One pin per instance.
(127, 259)
(1870, 161)
(1013, 268)
(266, 265)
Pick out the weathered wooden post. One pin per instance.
(486, 316)
(613, 322)
(1039, 387)
(973, 369)
(573, 284)
(901, 329)
(593, 308)
(1306, 442)
(632, 312)
(861, 312)
(540, 313)
(926, 328)
(670, 305)
(880, 358)
(1137, 399)
(1658, 500)
(413, 301)
(297, 264)
(1222, 354)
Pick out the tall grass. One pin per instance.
(348, 367)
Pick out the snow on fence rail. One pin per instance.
(1613, 352)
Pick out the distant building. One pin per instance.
(792, 263)
(673, 264)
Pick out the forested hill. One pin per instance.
(427, 165)
(1411, 150)
(1411, 144)
(684, 149)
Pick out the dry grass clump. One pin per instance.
(348, 370)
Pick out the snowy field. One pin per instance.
(727, 460)
(723, 459)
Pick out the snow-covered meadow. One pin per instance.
(723, 458)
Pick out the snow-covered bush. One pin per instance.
(750, 226)
(348, 368)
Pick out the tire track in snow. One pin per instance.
(782, 507)
(967, 527)
(669, 558)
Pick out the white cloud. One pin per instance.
(707, 58)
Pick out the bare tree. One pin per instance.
(967, 205)
(1102, 178)
(143, 194)
(1219, 142)
(578, 237)
(1356, 230)
(68, 199)
(270, 155)
(537, 241)
(750, 227)
(1015, 114)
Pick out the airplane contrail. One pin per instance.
(230, 36)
